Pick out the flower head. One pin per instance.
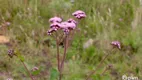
(66, 31)
(10, 53)
(116, 44)
(55, 19)
(55, 25)
(64, 27)
(35, 69)
(79, 14)
(69, 25)
(51, 30)
(72, 21)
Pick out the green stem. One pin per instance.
(64, 56)
(93, 72)
(27, 70)
(104, 71)
(58, 55)
(65, 51)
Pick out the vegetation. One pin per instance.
(25, 23)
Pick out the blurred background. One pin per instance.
(24, 23)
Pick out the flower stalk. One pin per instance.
(12, 52)
(27, 69)
(58, 55)
(99, 65)
(65, 51)
(115, 44)
(64, 56)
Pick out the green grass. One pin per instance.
(106, 21)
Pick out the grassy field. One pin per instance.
(106, 21)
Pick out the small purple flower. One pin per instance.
(68, 25)
(66, 31)
(64, 27)
(71, 26)
(51, 30)
(55, 25)
(79, 14)
(55, 19)
(35, 69)
(116, 44)
(10, 53)
(72, 21)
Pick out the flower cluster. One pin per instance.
(79, 14)
(116, 44)
(66, 26)
(10, 53)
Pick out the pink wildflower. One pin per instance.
(71, 26)
(72, 20)
(68, 25)
(35, 69)
(64, 25)
(66, 30)
(116, 44)
(55, 19)
(55, 25)
(11, 53)
(79, 14)
(51, 30)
